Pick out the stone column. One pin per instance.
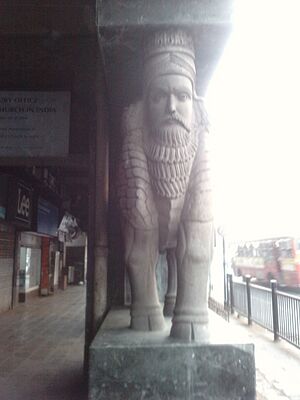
(101, 202)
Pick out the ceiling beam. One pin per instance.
(73, 161)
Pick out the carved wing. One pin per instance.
(198, 200)
(134, 190)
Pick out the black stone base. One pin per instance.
(130, 365)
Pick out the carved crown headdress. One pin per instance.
(169, 41)
(169, 52)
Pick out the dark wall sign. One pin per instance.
(34, 124)
(47, 217)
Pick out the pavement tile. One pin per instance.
(277, 363)
(41, 348)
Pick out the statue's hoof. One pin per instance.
(148, 320)
(169, 306)
(190, 332)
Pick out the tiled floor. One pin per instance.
(42, 342)
(41, 348)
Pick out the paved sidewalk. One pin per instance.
(277, 363)
(42, 341)
(41, 348)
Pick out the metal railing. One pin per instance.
(289, 318)
(261, 305)
(240, 298)
(276, 311)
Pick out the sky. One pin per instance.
(253, 101)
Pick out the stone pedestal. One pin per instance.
(130, 365)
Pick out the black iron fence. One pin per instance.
(276, 311)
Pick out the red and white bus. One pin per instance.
(275, 258)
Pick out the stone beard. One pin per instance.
(170, 149)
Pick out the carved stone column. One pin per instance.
(164, 203)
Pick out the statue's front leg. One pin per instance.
(194, 252)
(170, 297)
(141, 252)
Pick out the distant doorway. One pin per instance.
(30, 271)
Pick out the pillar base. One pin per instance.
(125, 364)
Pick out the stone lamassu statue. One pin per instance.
(165, 192)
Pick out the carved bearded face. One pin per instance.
(170, 108)
(172, 139)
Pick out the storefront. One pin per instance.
(29, 253)
(7, 247)
(30, 256)
(47, 224)
(38, 256)
(76, 258)
(20, 209)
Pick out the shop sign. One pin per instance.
(34, 124)
(19, 209)
(68, 228)
(24, 203)
(47, 217)
(30, 240)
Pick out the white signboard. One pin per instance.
(34, 124)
